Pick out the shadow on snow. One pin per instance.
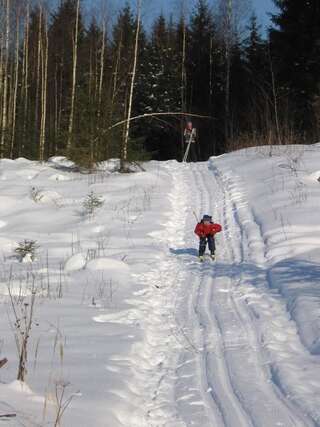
(294, 279)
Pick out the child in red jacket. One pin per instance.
(206, 229)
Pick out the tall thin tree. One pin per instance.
(44, 80)
(5, 80)
(124, 156)
(74, 76)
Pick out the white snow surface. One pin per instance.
(132, 326)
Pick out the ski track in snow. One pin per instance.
(264, 314)
(247, 362)
(206, 357)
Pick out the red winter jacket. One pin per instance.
(203, 230)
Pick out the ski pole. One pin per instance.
(186, 153)
(196, 216)
(188, 147)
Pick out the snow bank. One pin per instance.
(75, 262)
(87, 314)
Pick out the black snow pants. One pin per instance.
(203, 244)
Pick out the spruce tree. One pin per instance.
(257, 84)
(238, 90)
(157, 90)
(295, 48)
(204, 78)
(61, 35)
(28, 118)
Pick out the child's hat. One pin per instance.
(207, 218)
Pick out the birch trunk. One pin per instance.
(275, 101)
(101, 67)
(38, 78)
(183, 75)
(114, 89)
(1, 51)
(5, 82)
(1, 74)
(74, 76)
(56, 109)
(115, 78)
(1, 60)
(44, 78)
(15, 89)
(124, 156)
(25, 85)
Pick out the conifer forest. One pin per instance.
(101, 83)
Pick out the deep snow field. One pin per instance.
(127, 323)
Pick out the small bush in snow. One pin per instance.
(92, 202)
(26, 250)
(36, 194)
(22, 320)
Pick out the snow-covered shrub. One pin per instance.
(92, 202)
(26, 250)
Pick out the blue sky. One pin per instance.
(152, 8)
(262, 8)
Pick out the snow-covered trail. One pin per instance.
(216, 337)
(242, 381)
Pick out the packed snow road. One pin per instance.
(220, 348)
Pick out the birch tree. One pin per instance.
(15, 81)
(124, 156)
(102, 62)
(25, 76)
(44, 80)
(4, 124)
(74, 76)
(182, 32)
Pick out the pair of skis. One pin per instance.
(202, 258)
(192, 134)
(8, 415)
